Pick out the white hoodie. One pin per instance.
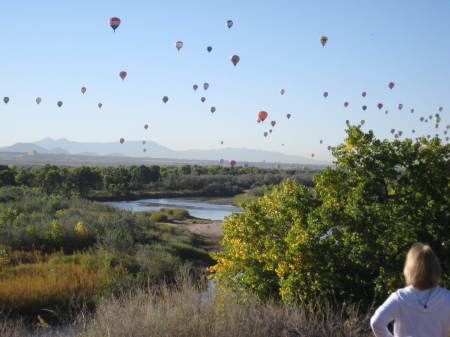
(406, 308)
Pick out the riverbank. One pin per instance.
(137, 195)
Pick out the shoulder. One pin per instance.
(445, 293)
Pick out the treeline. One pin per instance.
(120, 181)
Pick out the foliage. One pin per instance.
(347, 237)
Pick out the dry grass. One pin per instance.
(184, 312)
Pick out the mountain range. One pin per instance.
(154, 150)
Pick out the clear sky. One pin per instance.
(51, 48)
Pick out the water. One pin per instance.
(199, 208)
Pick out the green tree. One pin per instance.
(50, 179)
(347, 237)
(7, 175)
(117, 180)
(84, 179)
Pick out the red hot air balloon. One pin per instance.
(380, 106)
(38, 100)
(273, 123)
(364, 94)
(114, 23)
(266, 134)
(400, 106)
(391, 85)
(262, 115)
(123, 75)
(288, 116)
(364, 107)
(99, 105)
(146, 126)
(232, 163)
(83, 90)
(122, 140)
(235, 59)
(345, 104)
(325, 94)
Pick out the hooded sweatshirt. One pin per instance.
(416, 313)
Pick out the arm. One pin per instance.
(383, 316)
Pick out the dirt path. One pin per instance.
(211, 232)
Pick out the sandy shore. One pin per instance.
(211, 231)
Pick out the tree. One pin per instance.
(347, 237)
(117, 180)
(50, 179)
(84, 179)
(7, 176)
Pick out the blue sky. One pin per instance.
(52, 48)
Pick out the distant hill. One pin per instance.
(154, 150)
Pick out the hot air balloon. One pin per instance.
(347, 122)
(380, 106)
(392, 130)
(179, 45)
(362, 122)
(99, 105)
(413, 131)
(6, 100)
(321, 141)
(266, 134)
(325, 94)
(400, 106)
(364, 107)
(421, 119)
(345, 104)
(364, 94)
(391, 85)
(232, 163)
(262, 115)
(144, 150)
(114, 23)
(235, 59)
(328, 147)
(288, 116)
(278, 166)
(122, 140)
(221, 142)
(400, 133)
(203, 99)
(282, 91)
(209, 49)
(386, 112)
(38, 100)
(144, 142)
(273, 123)
(412, 111)
(312, 155)
(440, 109)
(146, 126)
(205, 86)
(230, 23)
(165, 99)
(123, 74)
(59, 104)
(323, 40)
(195, 87)
(212, 109)
(83, 90)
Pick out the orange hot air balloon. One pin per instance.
(99, 105)
(146, 126)
(380, 106)
(345, 104)
(123, 75)
(122, 140)
(83, 90)
(391, 85)
(232, 163)
(262, 115)
(400, 106)
(288, 116)
(325, 94)
(273, 123)
(235, 59)
(38, 100)
(364, 94)
(266, 134)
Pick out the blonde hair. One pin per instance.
(422, 269)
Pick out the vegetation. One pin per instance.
(347, 237)
(107, 183)
(56, 250)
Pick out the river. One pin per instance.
(203, 208)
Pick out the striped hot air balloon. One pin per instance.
(114, 23)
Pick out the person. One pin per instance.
(422, 308)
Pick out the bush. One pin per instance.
(348, 236)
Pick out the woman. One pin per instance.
(422, 309)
